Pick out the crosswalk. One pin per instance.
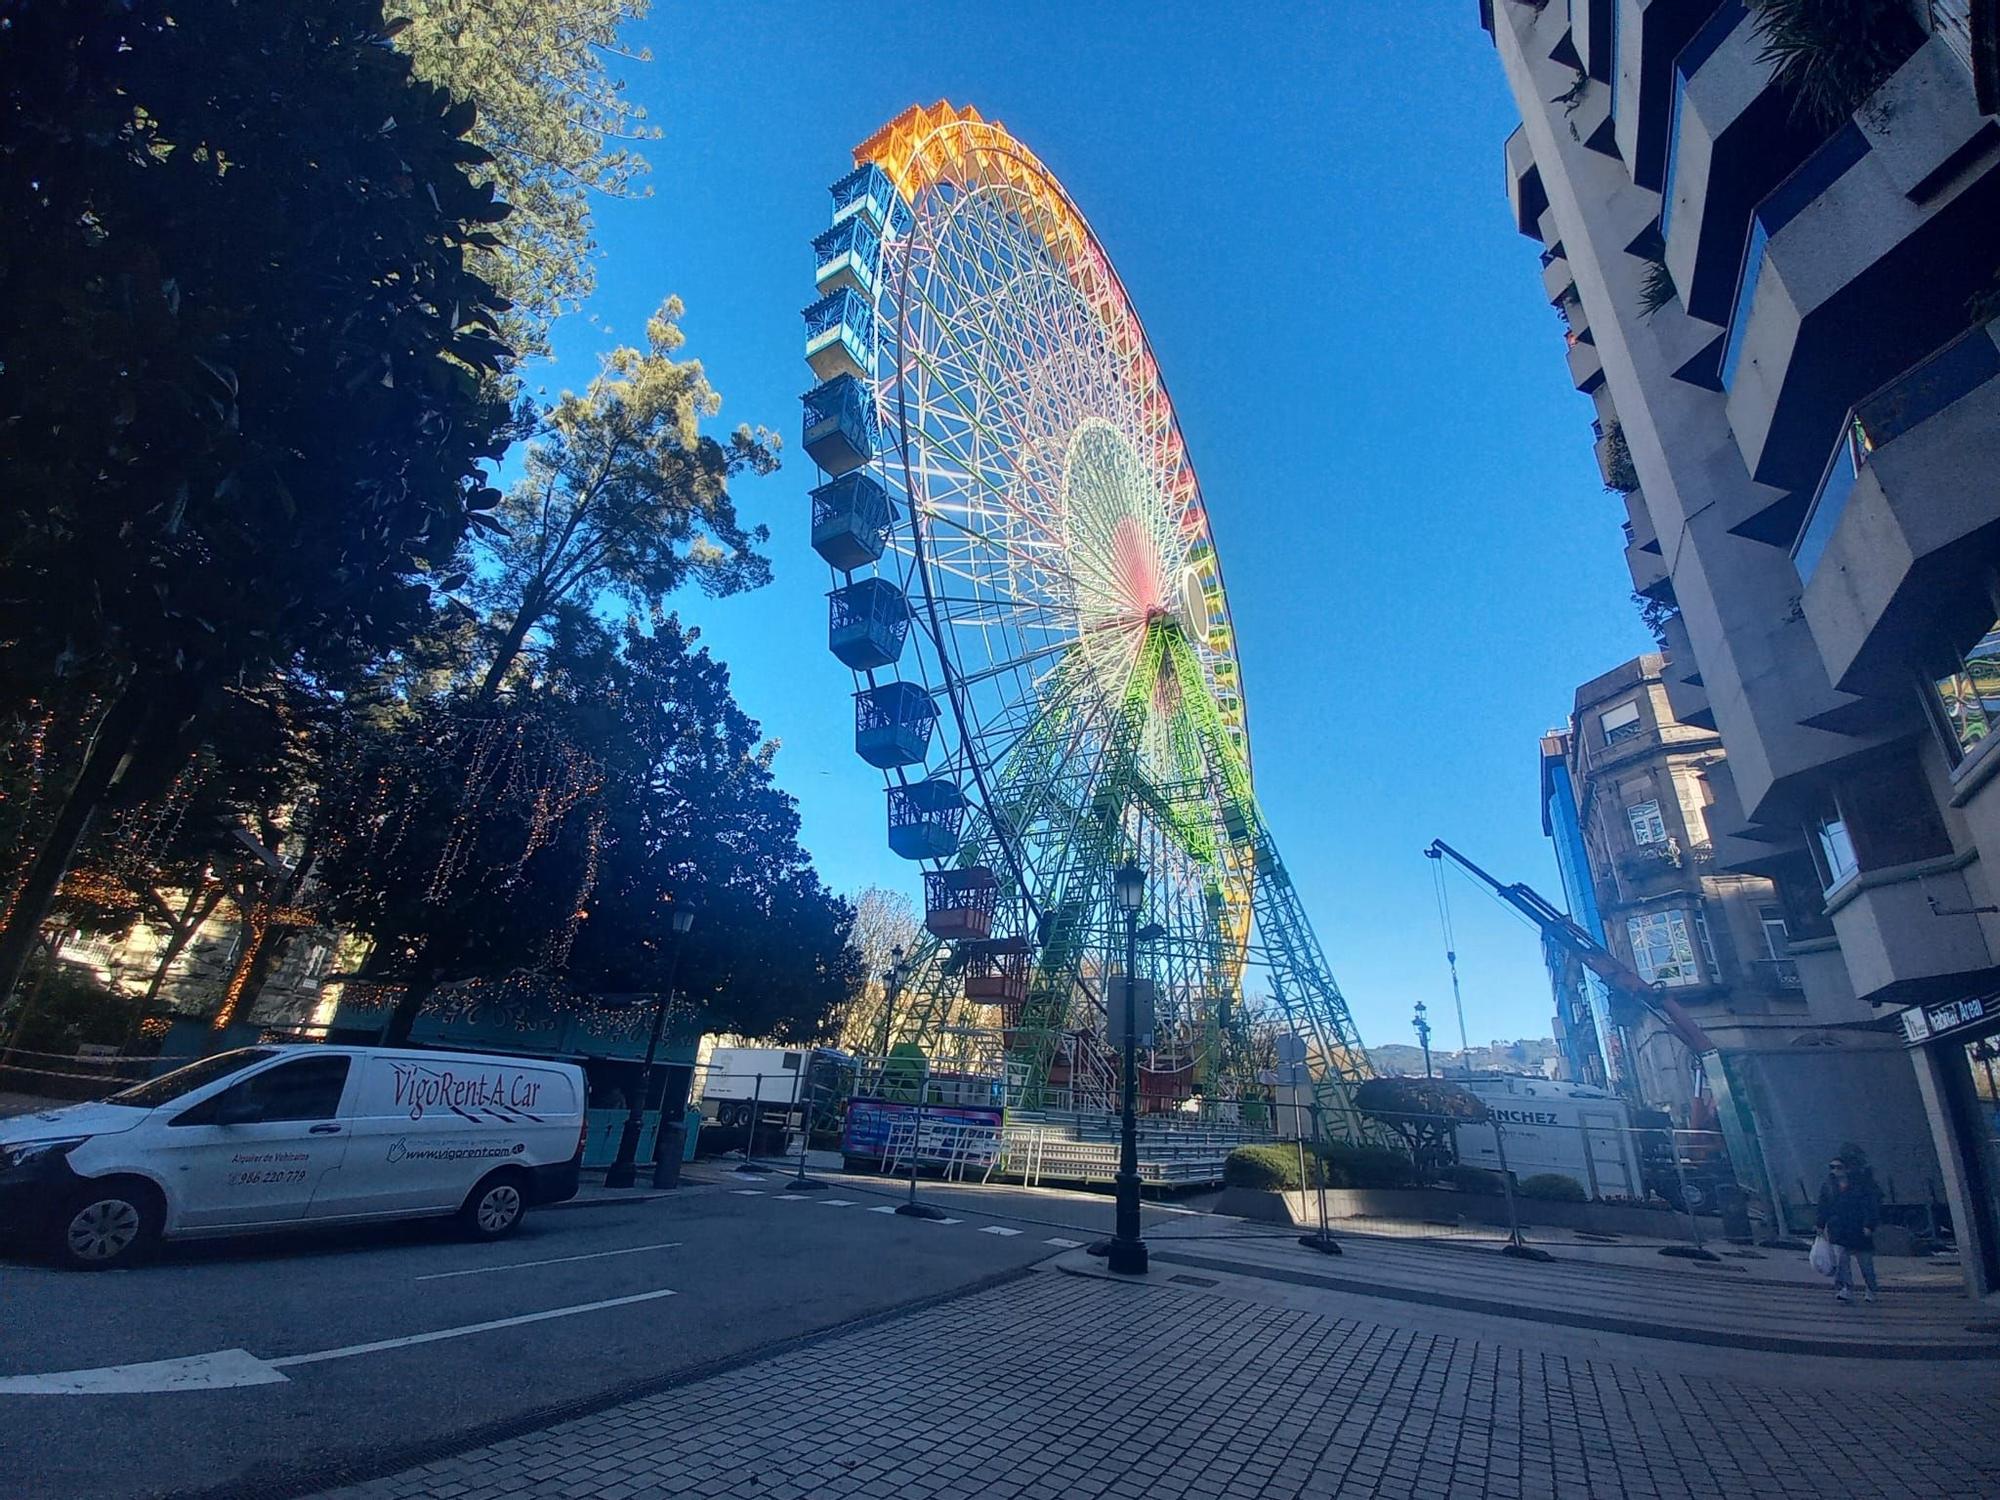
(999, 1231)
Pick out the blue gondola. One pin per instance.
(867, 623)
(893, 723)
(925, 818)
(867, 193)
(840, 424)
(847, 255)
(840, 335)
(851, 518)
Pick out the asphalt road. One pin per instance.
(354, 1347)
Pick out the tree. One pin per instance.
(556, 123)
(624, 496)
(694, 818)
(463, 842)
(242, 367)
(1425, 1112)
(884, 921)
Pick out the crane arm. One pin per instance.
(1593, 955)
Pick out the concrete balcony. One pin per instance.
(1525, 194)
(1896, 547)
(1557, 278)
(1647, 37)
(1647, 567)
(1858, 265)
(1681, 677)
(1731, 138)
(1898, 946)
(1586, 368)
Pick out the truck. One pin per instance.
(1571, 1129)
(770, 1081)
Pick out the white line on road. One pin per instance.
(522, 1265)
(748, 1192)
(887, 1208)
(998, 1229)
(350, 1350)
(1065, 1244)
(944, 1221)
(236, 1367)
(836, 1203)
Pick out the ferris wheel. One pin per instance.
(1030, 599)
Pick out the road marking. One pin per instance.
(748, 1192)
(887, 1208)
(224, 1368)
(196, 1372)
(348, 1351)
(944, 1221)
(791, 1198)
(1065, 1244)
(998, 1229)
(522, 1265)
(836, 1203)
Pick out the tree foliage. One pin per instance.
(1829, 56)
(1423, 1112)
(557, 124)
(624, 496)
(241, 364)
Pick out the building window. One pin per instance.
(1648, 827)
(1661, 951)
(1833, 850)
(1777, 935)
(1619, 723)
(1967, 698)
(1707, 942)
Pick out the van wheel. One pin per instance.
(493, 1210)
(104, 1225)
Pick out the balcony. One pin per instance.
(1525, 194)
(1651, 864)
(1557, 278)
(1858, 265)
(1777, 976)
(1897, 947)
(1894, 551)
(1647, 37)
(1586, 369)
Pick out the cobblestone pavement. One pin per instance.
(1060, 1386)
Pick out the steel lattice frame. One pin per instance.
(1072, 626)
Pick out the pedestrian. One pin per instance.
(1850, 1206)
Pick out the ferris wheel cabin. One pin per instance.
(840, 424)
(893, 724)
(850, 521)
(959, 904)
(840, 335)
(867, 623)
(925, 818)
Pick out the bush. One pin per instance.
(1366, 1166)
(1473, 1179)
(1552, 1187)
(1270, 1168)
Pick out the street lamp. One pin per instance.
(624, 1171)
(1127, 1252)
(892, 981)
(1424, 1037)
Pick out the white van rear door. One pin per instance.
(426, 1129)
(259, 1151)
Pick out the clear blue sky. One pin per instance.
(1308, 210)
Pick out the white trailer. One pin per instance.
(1580, 1132)
(775, 1080)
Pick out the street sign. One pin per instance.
(1143, 1000)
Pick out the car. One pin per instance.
(294, 1136)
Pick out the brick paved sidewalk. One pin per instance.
(1059, 1386)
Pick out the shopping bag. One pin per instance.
(1824, 1258)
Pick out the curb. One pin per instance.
(1599, 1323)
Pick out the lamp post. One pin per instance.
(892, 982)
(1127, 1252)
(624, 1171)
(1424, 1037)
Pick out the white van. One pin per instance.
(1569, 1129)
(279, 1137)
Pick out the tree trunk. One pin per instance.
(416, 990)
(256, 926)
(116, 733)
(510, 646)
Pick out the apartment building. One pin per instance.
(1778, 268)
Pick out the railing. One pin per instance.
(1778, 975)
(1878, 419)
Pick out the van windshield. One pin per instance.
(170, 1086)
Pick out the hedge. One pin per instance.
(1473, 1179)
(1552, 1187)
(1275, 1168)
(1271, 1168)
